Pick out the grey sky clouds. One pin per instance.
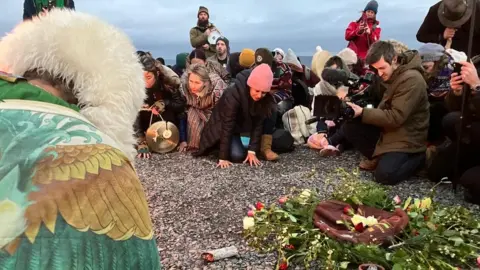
(162, 27)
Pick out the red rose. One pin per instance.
(290, 247)
(359, 227)
(347, 210)
(283, 266)
(259, 206)
(251, 213)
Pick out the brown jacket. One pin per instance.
(198, 38)
(403, 113)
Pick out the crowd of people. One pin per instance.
(410, 127)
(242, 106)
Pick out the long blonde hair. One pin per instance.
(202, 72)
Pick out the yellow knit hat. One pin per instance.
(246, 58)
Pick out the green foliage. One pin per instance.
(436, 237)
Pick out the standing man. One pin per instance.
(450, 19)
(223, 52)
(32, 8)
(199, 34)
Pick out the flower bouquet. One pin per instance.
(434, 236)
(358, 223)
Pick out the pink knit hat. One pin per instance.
(261, 78)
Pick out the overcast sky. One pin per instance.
(162, 26)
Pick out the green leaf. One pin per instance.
(413, 214)
(388, 256)
(449, 233)
(398, 266)
(458, 240)
(344, 265)
(474, 231)
(292, 218)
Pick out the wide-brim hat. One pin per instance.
(98, 58)
(455, 13)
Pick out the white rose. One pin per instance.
(248, 222)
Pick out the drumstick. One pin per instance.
(449, 44)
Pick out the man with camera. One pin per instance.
(469, 159)
(393, 135)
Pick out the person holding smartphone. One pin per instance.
(469, 163)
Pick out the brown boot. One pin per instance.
(368, 164)
(266, 148)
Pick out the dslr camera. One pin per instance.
(333, 108)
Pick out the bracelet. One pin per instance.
(252, 152)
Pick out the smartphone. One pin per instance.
(457, 68)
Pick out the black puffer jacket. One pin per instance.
(235, 113)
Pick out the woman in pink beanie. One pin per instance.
(243, 108)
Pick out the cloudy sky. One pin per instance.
(162, 26)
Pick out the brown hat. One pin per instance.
(455, 13)
(263, 56)
(203, 9)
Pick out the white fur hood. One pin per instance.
(99, 58)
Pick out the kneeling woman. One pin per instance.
(243, 107)
(202, 91)
(168, 102)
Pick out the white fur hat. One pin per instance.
(97, 57)
(279, 51)
(348, 56)
(291, 59)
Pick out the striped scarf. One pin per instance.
(200, 107)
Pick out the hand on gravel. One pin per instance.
(143, 151)
(182, 147)
(224, 164)
(252, 159)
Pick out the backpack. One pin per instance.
(294, 122)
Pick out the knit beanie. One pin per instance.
(246, 58)
(373, 6)
(203, 9)
(431, 52)
(224, 39)
(199, 54)
(292, 59)
(181, 60)
(348, 56)
(261, 78)
(263, 56)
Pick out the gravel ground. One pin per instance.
(196, 207)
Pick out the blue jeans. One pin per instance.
(238, 152)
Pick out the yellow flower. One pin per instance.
(370, 221)
(306, 193)
(248, 222)
(356, 219)
(426, 203)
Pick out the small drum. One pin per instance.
(212, 38)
